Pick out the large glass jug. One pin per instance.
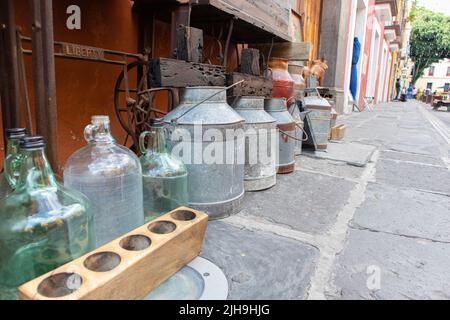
(110, 176)
(11, 168)
(43, 224)
(164, 175)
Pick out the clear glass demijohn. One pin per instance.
(11, 167)
(110, 176)
(164, 175)
(43, 224)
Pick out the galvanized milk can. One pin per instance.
(260, 143)
(298, 117)
(319, 119)
(208, 136)
(277, 108)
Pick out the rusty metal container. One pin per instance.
(296, 70)
(277, 108)
(283, 84)
(208, 136)
(319, 118)
(260, 144)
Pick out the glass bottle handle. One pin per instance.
(142, 137)
(12, 173)
(89, 132)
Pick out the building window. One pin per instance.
(446, 87)
(430, 85)
(431, 71)
(448, 71)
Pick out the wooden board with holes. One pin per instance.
(252, 85)
(179, 74)
(127, 268)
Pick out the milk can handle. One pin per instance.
(206, 99)
(307, 137)
(89, 132)
(295, 138)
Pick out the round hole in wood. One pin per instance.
(60, 285)
(184, 215)
(162, 227)
(102, 261)
(135, 242)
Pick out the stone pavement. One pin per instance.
(369, 219)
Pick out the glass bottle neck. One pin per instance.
(157, 143)
(36, 172)
(99, 133)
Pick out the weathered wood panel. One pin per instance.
(252, 86)
(271, 15)
(311, 25)
(189, 44)
(250, 61)
(286, 50)
(178, 74)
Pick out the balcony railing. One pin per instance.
(394, 26)
(392, 3)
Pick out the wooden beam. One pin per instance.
(44, 78)
(253, 85)
(181, 15)
(179, 74)
(286, 50)
(10, 87)
(250, 62)
(189, 44)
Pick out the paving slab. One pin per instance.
(356, 154)
(259, 265)
(335, 168)
(410, 157)
(405, 211)
(303, 201)
(413, 175)
(407, 268)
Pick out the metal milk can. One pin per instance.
(277, 108)
(319, 117)
(260, 143)
(208, 136)
(299, 131)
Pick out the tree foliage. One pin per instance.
(429, 40)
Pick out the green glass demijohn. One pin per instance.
(164, 175)
(43, 224)
(11, 168)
